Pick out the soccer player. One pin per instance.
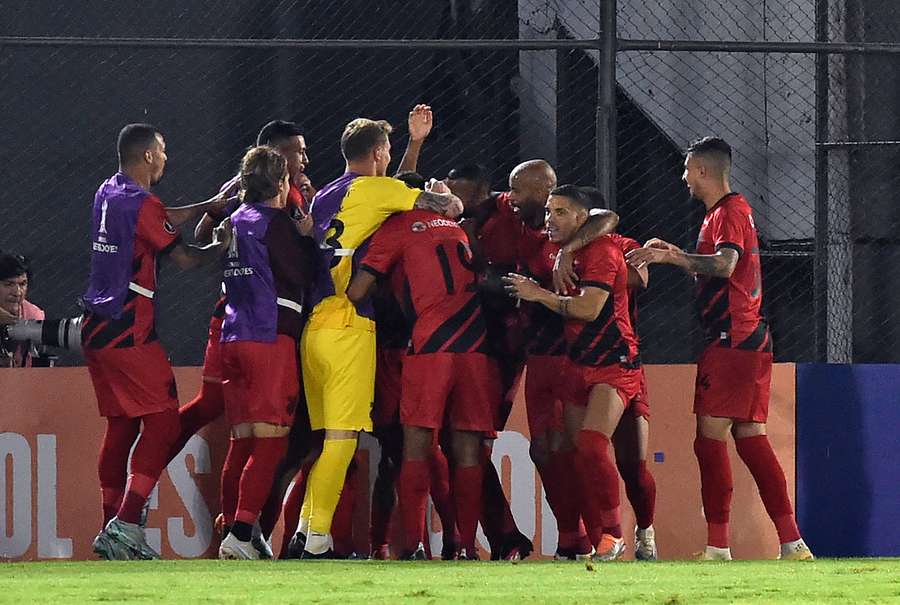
(129, 369)
(266, 273)
(632, 436)
(209, 403)
(447, 376)
(495, 229)
(392, 341)
(601, 374)
(338, 343)
(734, 372)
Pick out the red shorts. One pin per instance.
(388, 381)
(459, 390)
(640, 404)
(261, 381)
(579, 381)
(132, 381)
(543, 385)
(733, 383)
(212, 361)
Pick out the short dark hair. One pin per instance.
(412, 179)
(134, 140)
(598, 200)
(276, 131)
(13, 265)
(713, 149)
(362, 135)
(576, 194)
(470, 172)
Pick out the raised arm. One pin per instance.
(420, 122)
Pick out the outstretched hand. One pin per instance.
(420, 122)
(654, 251)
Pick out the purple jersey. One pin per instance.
(113, 225)
(264, 296)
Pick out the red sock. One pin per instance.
(439, 471)
(256, 480)
(112, 466)
(342, 523)
(208, 405)
(383, 499)
(757, 454)
(151, 455)
(271, 510)
(238, 453)
(412, 488)
(600, 483)
(640, 487)
(293, 501)
(497, 520)
(566, 500)
(467, 492)
(716, 486)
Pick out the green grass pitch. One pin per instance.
(370, 582)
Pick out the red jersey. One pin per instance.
(544, 329)
(627, 245)
(609, 339)
(499, 234)
(136, 325)
(295, 203)
(729, 308)
(441, 304)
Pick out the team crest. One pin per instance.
(418, 227)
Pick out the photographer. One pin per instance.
(14, 276)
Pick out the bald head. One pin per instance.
(537, 172)
(529, 187)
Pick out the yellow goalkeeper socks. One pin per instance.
(326, 481)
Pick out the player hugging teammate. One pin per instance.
(431, 300)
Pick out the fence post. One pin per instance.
(820, 265)
(606, 104)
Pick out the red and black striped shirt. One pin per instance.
(730, 308)
(609, 339)
(439, 296)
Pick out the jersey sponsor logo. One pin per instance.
(238, 272)
(105, 248)
(420, 226)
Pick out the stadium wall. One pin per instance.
(49, 491)
(848, 433)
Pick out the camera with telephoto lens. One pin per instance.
(56, 333)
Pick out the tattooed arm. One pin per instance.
(584, 307)
(656, 251)
(439, 199)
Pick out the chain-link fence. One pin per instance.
(812, 132)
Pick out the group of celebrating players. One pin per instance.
(434, 300)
